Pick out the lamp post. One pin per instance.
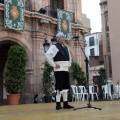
(47, 78)
(46, 45)
(53, 40)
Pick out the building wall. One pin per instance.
(96, 61)
(85, 21)
(103, 9)
(114, 26)
(97, 38)
(106, 38)
(94, 72)
(33, 38)
(74, 6)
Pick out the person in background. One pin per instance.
(59, 57)
(53, 97)
(36, 98)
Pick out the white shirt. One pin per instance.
(51, 53)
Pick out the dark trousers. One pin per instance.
(62, 80)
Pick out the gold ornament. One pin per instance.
(14, 12)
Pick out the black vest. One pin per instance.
(63, 54)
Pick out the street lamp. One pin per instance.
(46, 46)
(54, 40)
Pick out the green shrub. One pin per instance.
(102, 79)
(78, 74)
(15, 69)
(47, 79)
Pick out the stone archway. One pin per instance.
(22, 39)
(4, 47)
(5, 44)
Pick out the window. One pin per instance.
(95, 79)
(57, 4)
(91, 41)
(101, 62)
(110, 66)
(106, 22)
(28, 5)
(92, 52)
(54, 4)
(52, 9)
(108, 42)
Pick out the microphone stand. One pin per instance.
(87, 76)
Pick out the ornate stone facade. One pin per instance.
(33, 36)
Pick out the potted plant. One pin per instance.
(14, 74)
(47, 80)
(102, 80)
(78, 74)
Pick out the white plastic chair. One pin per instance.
(92, 93)
(82, 90)
(107, 91)
(117, 89)
(75, 95)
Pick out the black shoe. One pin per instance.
(58, 107)
(68, 107)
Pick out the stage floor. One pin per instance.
(46, 111)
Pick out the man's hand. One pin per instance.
(57, 66)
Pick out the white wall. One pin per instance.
(97, 38)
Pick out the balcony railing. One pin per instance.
(52, 12)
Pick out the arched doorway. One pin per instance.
(4, 47)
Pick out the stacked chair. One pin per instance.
(107, 91)
(83, 92)
(92, 93)
(79, 93)
(76, 95)
(117, 90)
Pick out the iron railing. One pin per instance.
(52, 12)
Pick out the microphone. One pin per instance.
(76, 37)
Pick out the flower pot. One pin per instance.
(13, 99)
(47, 99)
